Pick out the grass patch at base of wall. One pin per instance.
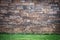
(28, 37)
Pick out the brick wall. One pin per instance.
(18, 16)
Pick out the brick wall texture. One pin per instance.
(30, 16)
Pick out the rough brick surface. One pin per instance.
(17, 16)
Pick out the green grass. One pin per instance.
(28, 37)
